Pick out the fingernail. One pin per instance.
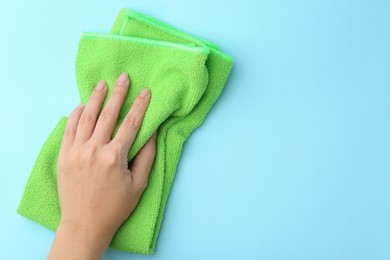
(101, 85)
(155, 135)
(122, 79)
(144, 92)
(80, 105)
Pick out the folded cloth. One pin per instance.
(185, 74)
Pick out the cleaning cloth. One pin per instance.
(185, 74)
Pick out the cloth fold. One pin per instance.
(185, 74)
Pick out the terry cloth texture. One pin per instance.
(185, 74)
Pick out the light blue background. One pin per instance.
(293, 161)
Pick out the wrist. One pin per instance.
(85, 232)
(79, 241)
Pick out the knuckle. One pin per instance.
(86, 119)
(116, 147)
(131, 121)
(117, 92)
(142, 100)
(140, 104)
(88, 155)
(95, 96)
(76, 111)
(112, 160)
(107, 113)
(137, 102)
(70, 131)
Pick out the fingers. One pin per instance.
(131, 123)
(143, 162)
(71, 127)
(109, 116)
(89, 116)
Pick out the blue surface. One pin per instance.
(293, 161)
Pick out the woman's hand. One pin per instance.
(97, 191)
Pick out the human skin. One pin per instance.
(97, 190)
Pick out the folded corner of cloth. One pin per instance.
(185, 74)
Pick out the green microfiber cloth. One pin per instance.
(185, 74)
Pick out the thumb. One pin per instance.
(143, 162)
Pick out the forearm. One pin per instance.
(75, 242)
